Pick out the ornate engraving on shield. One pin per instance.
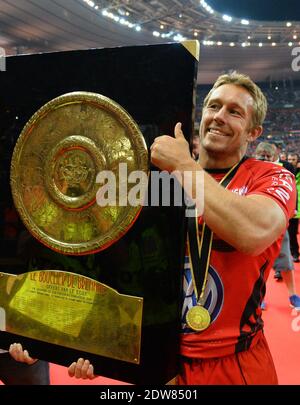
(54, 169)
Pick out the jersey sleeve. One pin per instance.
(276, 182)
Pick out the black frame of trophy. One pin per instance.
(156, 84)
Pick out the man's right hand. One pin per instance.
(82, 369)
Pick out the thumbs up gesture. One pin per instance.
(178, 131)
(171, 153)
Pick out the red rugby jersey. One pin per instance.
(236, 281)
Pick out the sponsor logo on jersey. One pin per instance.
(213, 295)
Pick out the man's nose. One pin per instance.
(220, 115)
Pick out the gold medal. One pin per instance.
(198, 318)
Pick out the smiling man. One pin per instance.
(247, 220)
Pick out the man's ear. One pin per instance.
(254, 133)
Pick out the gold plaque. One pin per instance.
(198, 318)
(70, 170)
(72, 310)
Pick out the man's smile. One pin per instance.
(217, 131)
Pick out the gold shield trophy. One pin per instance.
(55, 174)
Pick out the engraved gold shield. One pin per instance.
(70, 170)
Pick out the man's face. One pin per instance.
(293, 160)
(226, 120)
(282, 156)
(264, 155)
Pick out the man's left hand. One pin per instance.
(16, 351)
(81, 369)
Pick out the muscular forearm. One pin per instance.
(250, 224)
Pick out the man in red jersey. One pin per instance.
(247, 219)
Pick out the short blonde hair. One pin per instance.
(260, 104)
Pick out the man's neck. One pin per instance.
(217, 161)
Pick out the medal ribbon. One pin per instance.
(199, 252)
